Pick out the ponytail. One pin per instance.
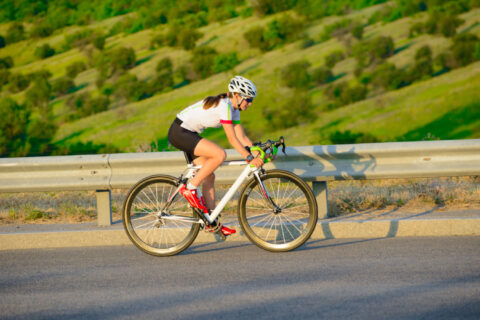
(213, 101)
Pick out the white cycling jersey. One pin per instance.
(196, 119)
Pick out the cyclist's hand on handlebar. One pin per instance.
(257, 162)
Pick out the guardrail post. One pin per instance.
(104, 208)
(320, 192)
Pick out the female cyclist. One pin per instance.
(213, 112)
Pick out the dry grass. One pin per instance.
(345, 198)
(448, 193)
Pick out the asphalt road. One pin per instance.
(395, 278)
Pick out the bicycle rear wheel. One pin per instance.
(286, 226)
(148, 227)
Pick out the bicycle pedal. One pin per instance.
(219, 236)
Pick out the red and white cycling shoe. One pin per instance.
(192, 198)
(226, 231)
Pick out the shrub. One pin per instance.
(357, 30)
(295, 75)
(264, 7)
(122, 58)
(463, 48)
(290, 111)
(388, 76)
(255, 38)
(130, 88)
(382, 47)
(6, 62)
(178, 36)
(378, 49)
(12, 127)
(416, 29)
(77, 39)
(279, 31)
(164, 66)
(423, 66)
(4, 75)
(353, 94)
(322, 75)
(15, 33)
(41, 30)
(442, 22)
(39, 95)
(203, 60)
(44, 51)
(62, 85)
(225, 62)
(18, 82)
(99, 41)
(2, 42)
(476, 54)
(75, 68)
(347, 137)
(96, 104)
(334, 57)
(164, 78)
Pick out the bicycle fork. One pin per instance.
(276, 209)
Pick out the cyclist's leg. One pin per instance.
(208, 185)
(211, 156)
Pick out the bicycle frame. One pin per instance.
(249, 169)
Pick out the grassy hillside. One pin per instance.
(444, 106)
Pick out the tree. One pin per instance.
(75, 68)
(99, 41)
(423, 66)
(62, 85)
(203, 59)
(122, 58)
(6, 62)
(255, 38)
(39, 95)
(12, 127)
(389, 77)
(15, 33)
(41, 30)
(225, 62)
(290, 110)
(18, 82)
(322, 75)
(295, 75)
(463, 48)
(130, 88)
(382, 47)
(334, 57)
(44, 51)
(357, 30)
(4, 76)
(2, 42)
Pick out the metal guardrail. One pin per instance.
(312, 163)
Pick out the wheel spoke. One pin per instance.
(149, 231)
(284, 230)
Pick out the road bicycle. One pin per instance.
(276, 209)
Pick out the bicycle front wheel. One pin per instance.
(287, 220)
(152, 226)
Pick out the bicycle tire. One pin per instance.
(281, 231)
(149, 232)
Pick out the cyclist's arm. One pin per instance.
(240, 133)
(234, 140)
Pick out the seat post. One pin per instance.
(188, 158)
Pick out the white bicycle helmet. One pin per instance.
(243, 86)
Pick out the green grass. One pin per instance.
(445, 106)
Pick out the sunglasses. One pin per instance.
(249, 100)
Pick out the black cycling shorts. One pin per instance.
(183, 139)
